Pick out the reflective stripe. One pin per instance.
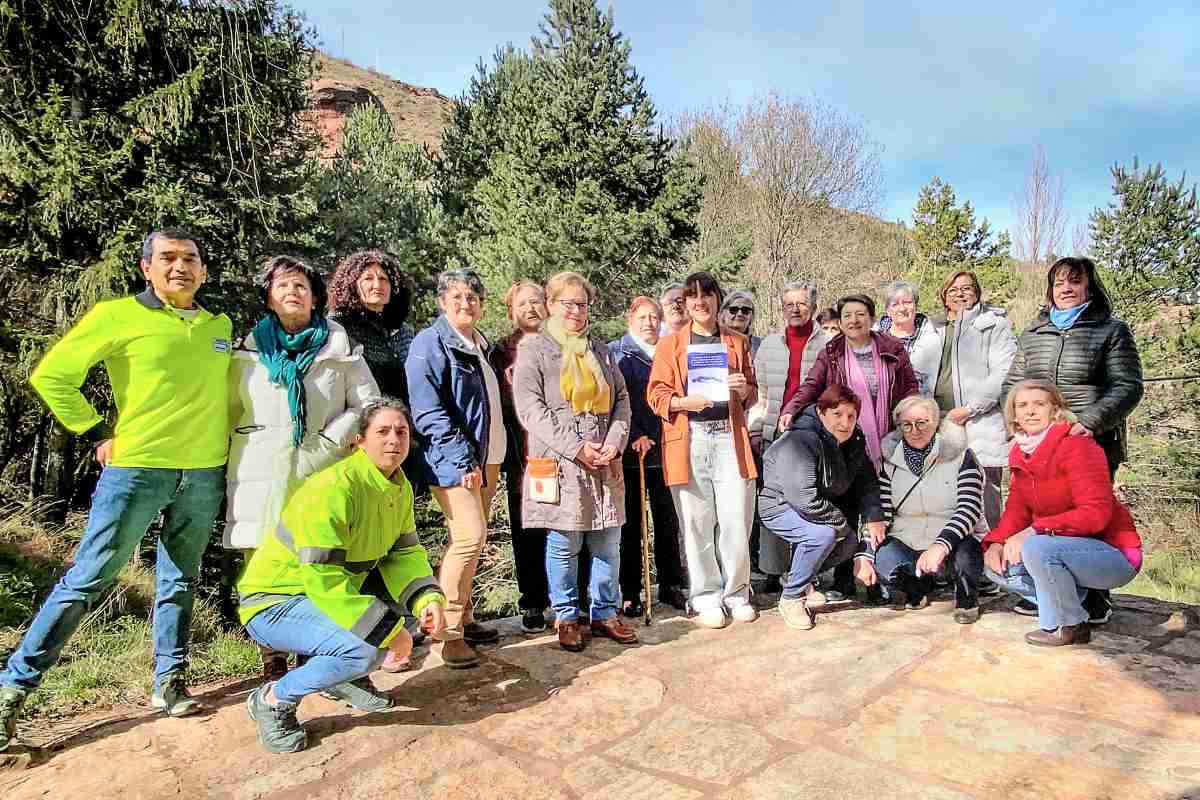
(406, 540)
(285, 537)
(322, 555)
(370, 619)
(260, 597)
(419, 585)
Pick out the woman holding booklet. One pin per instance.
(701, 383)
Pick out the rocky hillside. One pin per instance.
(417, 112)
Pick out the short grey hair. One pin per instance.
(796, 286)
(896, 287)
(177, 234)
(914, 401)
(460, 275)
(384, 403)
(737, 294)
(669, 287)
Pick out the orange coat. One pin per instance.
(668, 378)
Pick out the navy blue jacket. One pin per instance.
(635, 368)
(450, 408)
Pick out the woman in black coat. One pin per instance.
(1077, 344)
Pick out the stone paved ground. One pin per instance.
(872, 702)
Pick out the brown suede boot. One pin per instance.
(1067, 634)
(614, 628)
(570, 636)
(457, 654)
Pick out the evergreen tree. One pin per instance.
(1148, 238)
(125, 115)
(559, 157)
(946, 234)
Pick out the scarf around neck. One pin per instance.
(873, 419)
(1029, 442)
(645, 347)
(914, 458)
(1065, 318)
(581, 379)
(288, 357)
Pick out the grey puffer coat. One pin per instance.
(771, 366)
(1096, 365)
(589, 500)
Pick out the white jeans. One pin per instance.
(716, 493)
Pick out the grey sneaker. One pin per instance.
(11, 700)
(278, 729)
(796, 613)
(360, 694)
(172, 697)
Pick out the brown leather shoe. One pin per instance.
(457, 654)
(570, 636)
(1067, 634)
(614, 628)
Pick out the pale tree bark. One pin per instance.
(1081, 239)
(1040, 218)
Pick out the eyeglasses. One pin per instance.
(745, 311)
(571, 305)
(961, 290)
(795, 306)
(918, 425)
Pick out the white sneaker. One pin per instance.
(815, 598)
(743, 612)
(712, 618)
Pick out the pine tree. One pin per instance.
(946, 234)
(573, 171)
(1148, 238)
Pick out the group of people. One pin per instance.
(871, 446)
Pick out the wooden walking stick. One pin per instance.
(645, 535)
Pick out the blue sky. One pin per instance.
(953, 90)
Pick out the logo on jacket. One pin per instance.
(221, 346)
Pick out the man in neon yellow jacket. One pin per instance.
(337, 578)
(167, 360)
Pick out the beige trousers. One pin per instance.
(466, 513)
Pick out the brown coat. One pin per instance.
(589, 500)
(668, 378)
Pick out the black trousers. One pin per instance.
(668, 555)
(529, 545)
(895, 563)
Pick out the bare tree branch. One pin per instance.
(1041, 220)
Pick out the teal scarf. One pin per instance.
(288, 357)
(1064, 318)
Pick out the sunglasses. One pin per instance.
(745, 311)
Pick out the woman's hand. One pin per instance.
(1013, 545)
(401, 646)
(1079, 430)
(785, 422)
(473, 479)
(864, 572)
(590, 456)
(433, 619)
(959, 416)
(930, 562)
(737, 385)
(876, 532)
(693, 403)
(607, 453)
(993, 559)
(642, 445)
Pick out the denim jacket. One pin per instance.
(450, 408)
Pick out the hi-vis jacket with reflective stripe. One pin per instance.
(348, 541)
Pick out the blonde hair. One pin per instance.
(558, 284)
(642, 300)
(1061, 412)
(510, 297)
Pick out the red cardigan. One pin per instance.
(1063, 489)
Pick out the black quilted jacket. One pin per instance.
(1095, 364)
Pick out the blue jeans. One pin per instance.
(562, 571)
(818, 547)
(126, 501)
(1056, 571)
(335, 654)
(896, 565)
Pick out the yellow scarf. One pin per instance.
(581, 380)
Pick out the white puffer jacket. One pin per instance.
(984, 350)
(264, 468)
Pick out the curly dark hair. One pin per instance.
(343, 287)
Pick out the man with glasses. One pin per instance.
(675, 315)
(781, 364)
(737, 313)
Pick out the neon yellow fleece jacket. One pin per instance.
(348, 541)
(169, 376)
